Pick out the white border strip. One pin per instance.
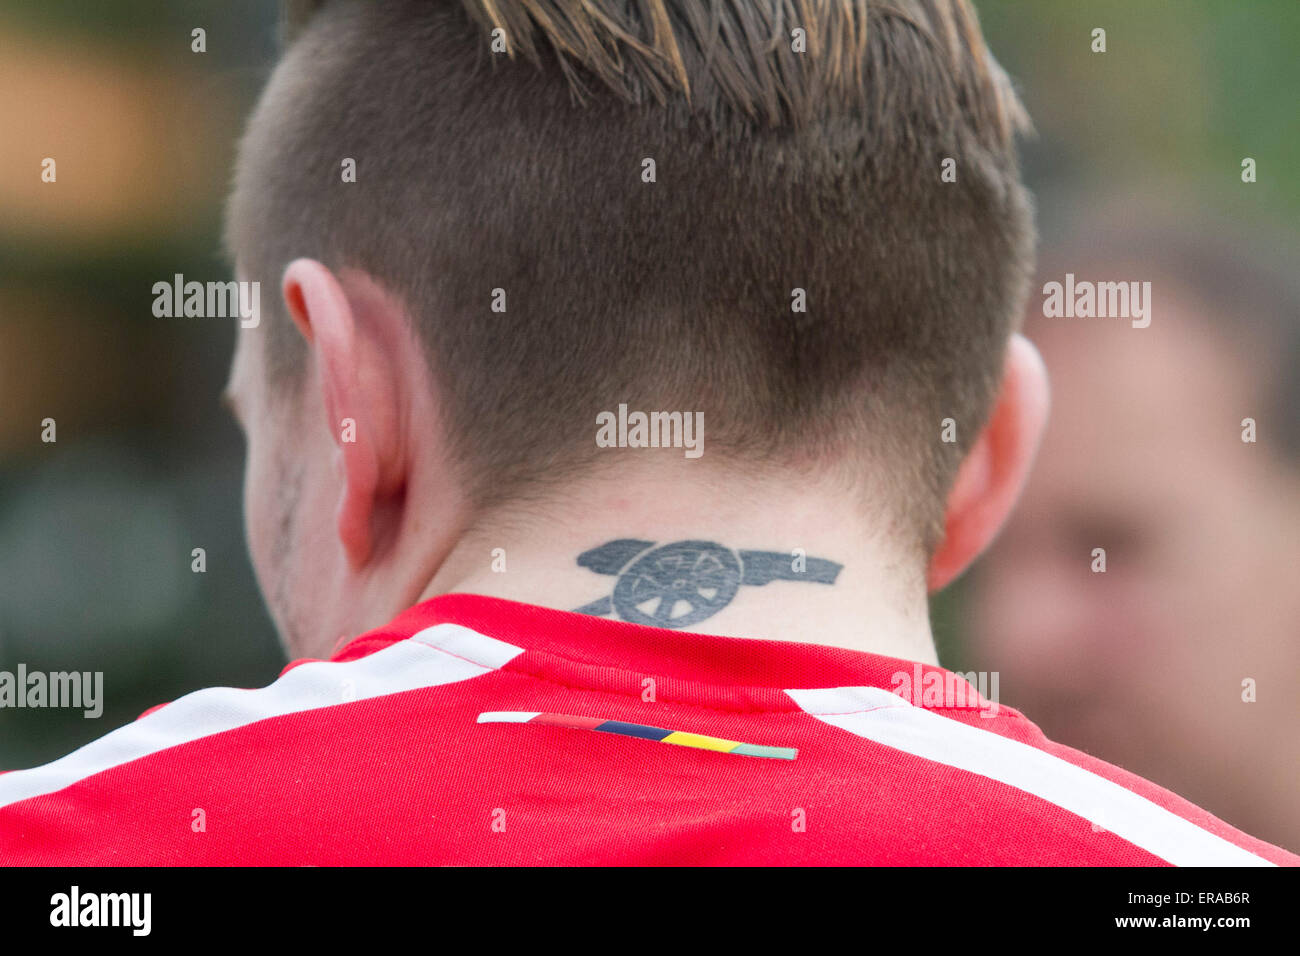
(507, 716)
(888, 719)
(443, 654)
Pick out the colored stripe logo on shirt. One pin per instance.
(678, 738)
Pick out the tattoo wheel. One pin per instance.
(677, 585)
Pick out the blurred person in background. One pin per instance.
(1197, 609)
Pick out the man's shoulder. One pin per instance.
(224, 756)
(1040, 800)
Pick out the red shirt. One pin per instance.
(473, 730)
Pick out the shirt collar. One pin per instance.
(584, 651)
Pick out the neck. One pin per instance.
(779, 561)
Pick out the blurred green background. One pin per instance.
(96, 530)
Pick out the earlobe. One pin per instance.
(995, 470)
(357, 504)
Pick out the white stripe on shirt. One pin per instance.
(443, 654)
(888, 719)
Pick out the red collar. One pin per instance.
(580, 650)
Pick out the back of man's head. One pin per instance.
(650, 184)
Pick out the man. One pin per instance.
(637, 374)
(1174, 660)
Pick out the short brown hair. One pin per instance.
(776, 170)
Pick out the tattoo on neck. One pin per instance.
(680, 584)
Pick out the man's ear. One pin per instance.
(357, 388)
(994, 472)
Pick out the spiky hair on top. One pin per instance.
(739, 54)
